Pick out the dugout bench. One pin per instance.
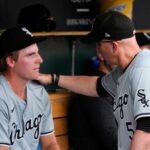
(60, 103)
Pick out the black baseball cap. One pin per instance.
(16, 38)
(111, 25)
(142, 38)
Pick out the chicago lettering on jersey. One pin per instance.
(122, 101)
(17, 133)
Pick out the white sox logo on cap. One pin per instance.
(107, 35)
(27, 31)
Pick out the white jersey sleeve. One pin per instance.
(47, 125)
(47, 121)
(140, 85)
(4, 121)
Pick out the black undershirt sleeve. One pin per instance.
(143, 124)
(100, 89)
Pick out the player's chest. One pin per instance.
(24, 121)
(123, 100)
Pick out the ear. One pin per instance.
(99, 54)
(10, 61)
(115, 47)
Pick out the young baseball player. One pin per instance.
(25, 112)
(129, 83)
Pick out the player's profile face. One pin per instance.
(105, 51)
(28, 63)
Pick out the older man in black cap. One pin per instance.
(25, 111)
(114, 35)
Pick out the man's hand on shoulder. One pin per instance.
(44, 78)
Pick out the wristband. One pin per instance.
(52, 76)
(56, 79)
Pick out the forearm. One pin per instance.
(85, 85)
(140, 141)
(53, 146)
(49, 142)
(4, 148)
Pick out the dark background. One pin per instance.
(62, 10)
(141, 14)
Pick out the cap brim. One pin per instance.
(90, 38)
(39, 39)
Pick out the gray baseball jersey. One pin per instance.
(132, 96)
(23, 122)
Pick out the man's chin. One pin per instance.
(35, 76)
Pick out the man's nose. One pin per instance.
(39, 60)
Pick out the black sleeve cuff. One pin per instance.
(100, 89)
(143, 124)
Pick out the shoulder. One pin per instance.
(141, 63)
(36, 89)
(1, 79)
(114, 74)
(143, 58)
(35, 85)
(4, 102)
(3, 87)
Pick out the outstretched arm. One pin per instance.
(140, 141)
(49, 142)
(4, 148)
(85, 85)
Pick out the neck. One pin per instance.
(17, 85)
(127, 52)
(128, 59)
(105, 67)
(146, 47)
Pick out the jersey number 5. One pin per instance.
(128, 124)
